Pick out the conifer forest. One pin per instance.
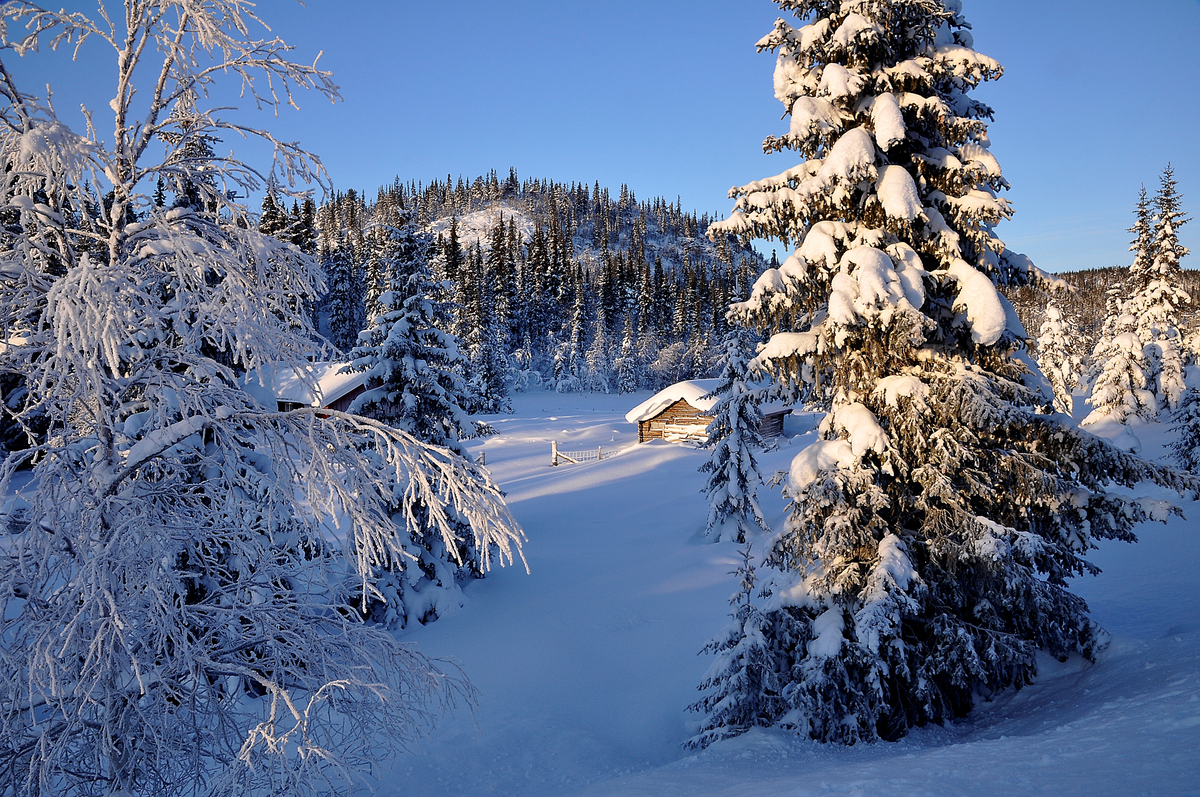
(511, 483)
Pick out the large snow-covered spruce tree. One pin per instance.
(173, 590)
(934, 526)
(414, 368)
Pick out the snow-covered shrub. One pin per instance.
(1123, 390)
(745, 682)
(1186, 445)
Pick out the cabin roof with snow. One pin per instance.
(692, 392)
(324, 385)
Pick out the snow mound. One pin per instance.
(784, 346)
(828, 627)
(887, 121)
(893, 388)
(1128, 441)
(898, 194)
(859, 426)
(809, 113)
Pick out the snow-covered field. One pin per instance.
(585, 666)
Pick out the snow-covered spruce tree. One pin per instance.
(172, 596)
(1160, 296)
(344, 295)
(1054, 356)
(1186, 445)
(1102, 348)
(489, 370)
(733, 435)
(934, 527)
(414, 376)
(628, 366)
(376, 277)
(1138, 358)
(569, 362)
(599, 369)
(747, 679)
(1123, 390)
(413, 367)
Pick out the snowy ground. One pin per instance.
(585, 666)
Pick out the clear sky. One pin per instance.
(672, 99)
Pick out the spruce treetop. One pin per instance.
(1167, 251)
(1143, 243)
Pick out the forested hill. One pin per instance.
(558, 284)
(1093, 296)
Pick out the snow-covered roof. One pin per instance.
(774, 408)
(690, 391)
(326, 377)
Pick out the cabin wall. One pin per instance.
(683, 413)
(678, 413)
(772, 425)
(343, 403)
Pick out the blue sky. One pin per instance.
(671, 98)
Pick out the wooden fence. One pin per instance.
(574, 457)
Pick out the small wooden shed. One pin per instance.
(678, 413)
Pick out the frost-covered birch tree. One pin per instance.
(176, 599)
(935, 525)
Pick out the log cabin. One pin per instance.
(678, 413)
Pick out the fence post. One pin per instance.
(599, 452)
(554, 453)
